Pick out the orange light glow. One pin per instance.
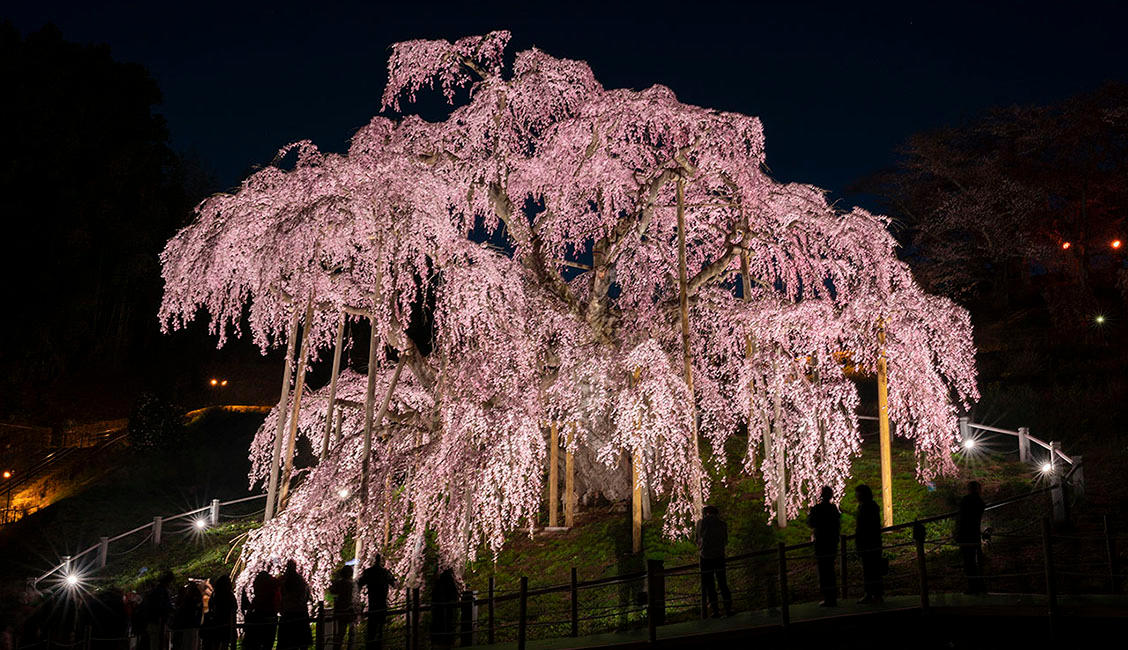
(7, 475)
(1065, 245)
(223, 383)
(1115, 243)
(214, 382)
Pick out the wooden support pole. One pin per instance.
(780, 455)
(570, 481)
(369, 405)
(296, 406)
(387, 509)
(687, 354)
(213, 513)
(333, 386)
(883, 427)
(553, 475)
(636, 506)
(272, 483)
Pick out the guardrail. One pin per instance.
(156, 527)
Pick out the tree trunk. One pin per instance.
(687, 356)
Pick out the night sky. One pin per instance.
(838, 87)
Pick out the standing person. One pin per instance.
(293, 628)
(261, 613)
(376, 580)
(189, 615)
(867, 542)
(969, 536)
(825, 522)
(219, 621)
(156, 611)
(712, 536)
(444, 609)
(342, 591)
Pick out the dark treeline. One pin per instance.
(90, 190)
(1016, 215)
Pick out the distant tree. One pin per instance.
(1017, 192)
(89, 191)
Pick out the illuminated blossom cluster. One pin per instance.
(570, 313)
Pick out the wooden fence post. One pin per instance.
(1057, 486)
(1024, 444)
(784, 604)
(157, 531)
(575, 604)
(415, 616)
(922, 564)
(318, 627)
(522, 612)
(845, 575)
(655, 597)
(103, 551)
(490, 611)
(467, 618)
(1051, 583)
(1113, 558)
(213, 513)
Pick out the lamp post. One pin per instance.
(8, 502)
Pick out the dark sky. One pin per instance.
(838, 86)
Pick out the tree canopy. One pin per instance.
(575, 318)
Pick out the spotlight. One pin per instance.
(201, 524)
(214, 382)
(1100, 319)
(1065, 245)
(343, 493)
(223, 383)
(71, 580)
(1047, 468)
(969, 443)
(1115, 243)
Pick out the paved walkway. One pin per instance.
(703, 631)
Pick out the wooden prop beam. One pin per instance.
(333, 386)
(553, 475)
(570, 482)
(299, 388)
(883, 428)
(272, 483)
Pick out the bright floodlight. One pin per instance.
(71, 579)
(343, 493)
(201, 524)
(1047, 468)
(969, 443)
(1100, 319)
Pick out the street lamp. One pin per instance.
(8, 502)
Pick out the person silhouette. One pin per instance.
(712, 536)
(342, 589)
(867, 542)
(293, 626)
(825, 522)
(444, 609)
(969, 536)
(376, 580)
(219, 620)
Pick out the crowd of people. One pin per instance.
(825, 521)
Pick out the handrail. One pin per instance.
(59, 566)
